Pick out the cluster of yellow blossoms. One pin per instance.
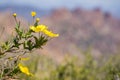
(42, 28)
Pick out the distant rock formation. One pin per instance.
(80, 29)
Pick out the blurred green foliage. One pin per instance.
(72, 68)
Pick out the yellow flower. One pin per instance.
(10, 58)
(38, 28)
(32, 28)
(33, 13)
(50, 33)
(14, 14)
(24, 59)
(41, 27)
(37, 19)
(24, 69)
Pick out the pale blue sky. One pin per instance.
(66, 3)
(112, 6)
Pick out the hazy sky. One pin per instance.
(108, 5)
(66, 3)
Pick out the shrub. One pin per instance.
(12, 51)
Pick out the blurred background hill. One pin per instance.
(80, 28)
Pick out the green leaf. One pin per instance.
(29, 45)
(39, 42)
(36, 24)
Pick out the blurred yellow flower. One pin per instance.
(50, 33)
(24, 69)
(14, 14)
(32, 28)
(10, 58)
(37, 19)
(43, 29)
(33, 13)
(38, 28)
(24, 59)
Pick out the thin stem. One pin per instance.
(2, 32)
(1, 75)
(16, 20)
(33, 20)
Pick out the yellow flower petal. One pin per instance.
(38, 28)
(24, 59)
(41, 27)
(33, 13)
(24, 69)
(10, 58)
(50, 33)
(32, 28)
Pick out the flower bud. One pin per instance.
(37, 19)
(33, 13)
(14, 14)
